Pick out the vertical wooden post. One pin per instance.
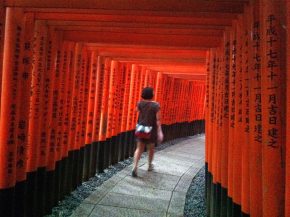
(36, 149)
(2, 34)
(255, 138)
(120, 105)
(82, 113)
(24, 83)
(287, 191)
(9, 107)
(245, 200)
(44, 104)
(131, 106)
(90, 150)
(273, 107)
(98, 146)
(111, 109)
(67, 118)
(232, 114)
(225, 132)
(237, 145)
(84, 147)
(104, 112)
(125, 109)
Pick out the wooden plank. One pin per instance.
(155, 5)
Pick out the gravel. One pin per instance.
(74, 199)
(195, 203)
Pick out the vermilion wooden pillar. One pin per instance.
(104, 112)
(238, 142)
(131, 107)
(2, 32)
(37, 148)
(225, 117)
(211, 109)
(9, 108)
(111, 108)
(219, 123)
(69, 70)
(125, 109)
(255, 139)
(97, 117)
(211, 148)
(86, 69)
(43, 60)
(287, 191)
(120, 94)
(72, 146)
(24, 83)
(245, 196)
(136, 94)
(232, 108)
(37, 103)
(90, 152)
(218, 131)
(207, 129)
(273, 107)
(52, 72)
(55, 73)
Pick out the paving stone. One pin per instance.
(183, 185)
(170, 160)
(140, 190)
(134, 202)
(83, 210)
(192, 171)
(153, 180)
(96, 196)
(181, 158)
(175, 169)
(109, 211)
(177, 202)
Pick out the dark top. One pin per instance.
(147, 116)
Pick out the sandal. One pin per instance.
(134, 173)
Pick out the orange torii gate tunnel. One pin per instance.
(71, 74)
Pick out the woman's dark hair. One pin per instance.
(147, 93)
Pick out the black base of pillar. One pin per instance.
(224, 197)
(113, 143)
(101, 157)
(122, 142)
(75, 168)
(236, 210)
(245, 215)
(32, 194)
(229, 207)
(218, 203)
(87, 161)
(20, 199)
(132, 143)
(107, 153)
(41, 192)
(7, 202)
(127, 145)
(64, 176)
(94, 159)
(81, 166)
(58, 176)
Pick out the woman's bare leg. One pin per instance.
(137, 154)
(150, 155)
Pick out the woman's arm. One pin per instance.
(158, 122)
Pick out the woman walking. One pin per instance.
(149, 119)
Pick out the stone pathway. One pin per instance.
(161, 192)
